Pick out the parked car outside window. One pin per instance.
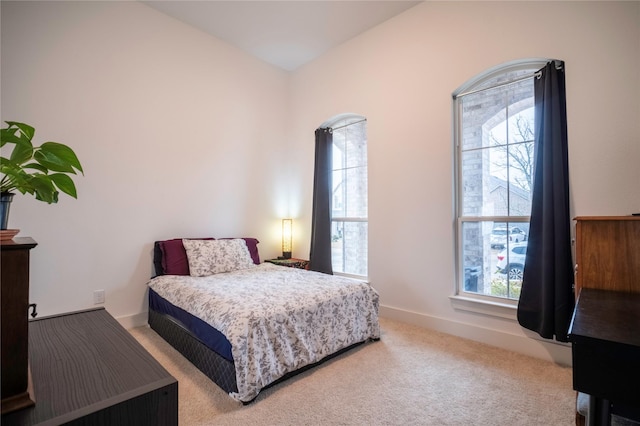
(511, 260)
(500, 236)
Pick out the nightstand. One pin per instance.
(291, 263)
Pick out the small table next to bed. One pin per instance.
(292, 263)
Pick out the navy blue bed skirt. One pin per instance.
(208, 335)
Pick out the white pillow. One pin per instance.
(208, 257)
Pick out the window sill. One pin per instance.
(352, 276)
(496, 309)
(484, 307)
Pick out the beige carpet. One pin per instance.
(412, 376)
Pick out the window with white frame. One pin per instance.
(349, 205)
(494, 156)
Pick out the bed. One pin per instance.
(248, 325)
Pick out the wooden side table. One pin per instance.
(291, 263)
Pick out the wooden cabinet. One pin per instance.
(608, 253)
(14, 278)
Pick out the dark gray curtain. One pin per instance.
(320, 255)
(547, 300)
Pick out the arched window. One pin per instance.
(494, 159)
(348, 195)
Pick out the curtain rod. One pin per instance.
(346, 125)
(536, 74)
(558, 64)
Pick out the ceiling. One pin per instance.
(286, 34)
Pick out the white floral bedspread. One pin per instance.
(278, 319)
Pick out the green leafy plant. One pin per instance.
(40, 171)
(499, 288)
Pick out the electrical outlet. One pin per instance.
(98, 297)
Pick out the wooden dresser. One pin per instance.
(607, 260)
(14, 297)
(608, 253)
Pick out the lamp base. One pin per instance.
(285, 255)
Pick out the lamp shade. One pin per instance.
(287, 224)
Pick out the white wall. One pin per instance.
(179, 134)
(401, 75)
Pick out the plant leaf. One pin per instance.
(15, 177)
(37, 167)
(44, 188)
(57, 157)
(21, 153)
(64, 184)
(8, 136)
(27, 130)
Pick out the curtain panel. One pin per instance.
(547, 300)
(320, 254)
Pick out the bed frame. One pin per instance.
(214, 366)
(220, 370)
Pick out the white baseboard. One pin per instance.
(526, 344)
(132, 321)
